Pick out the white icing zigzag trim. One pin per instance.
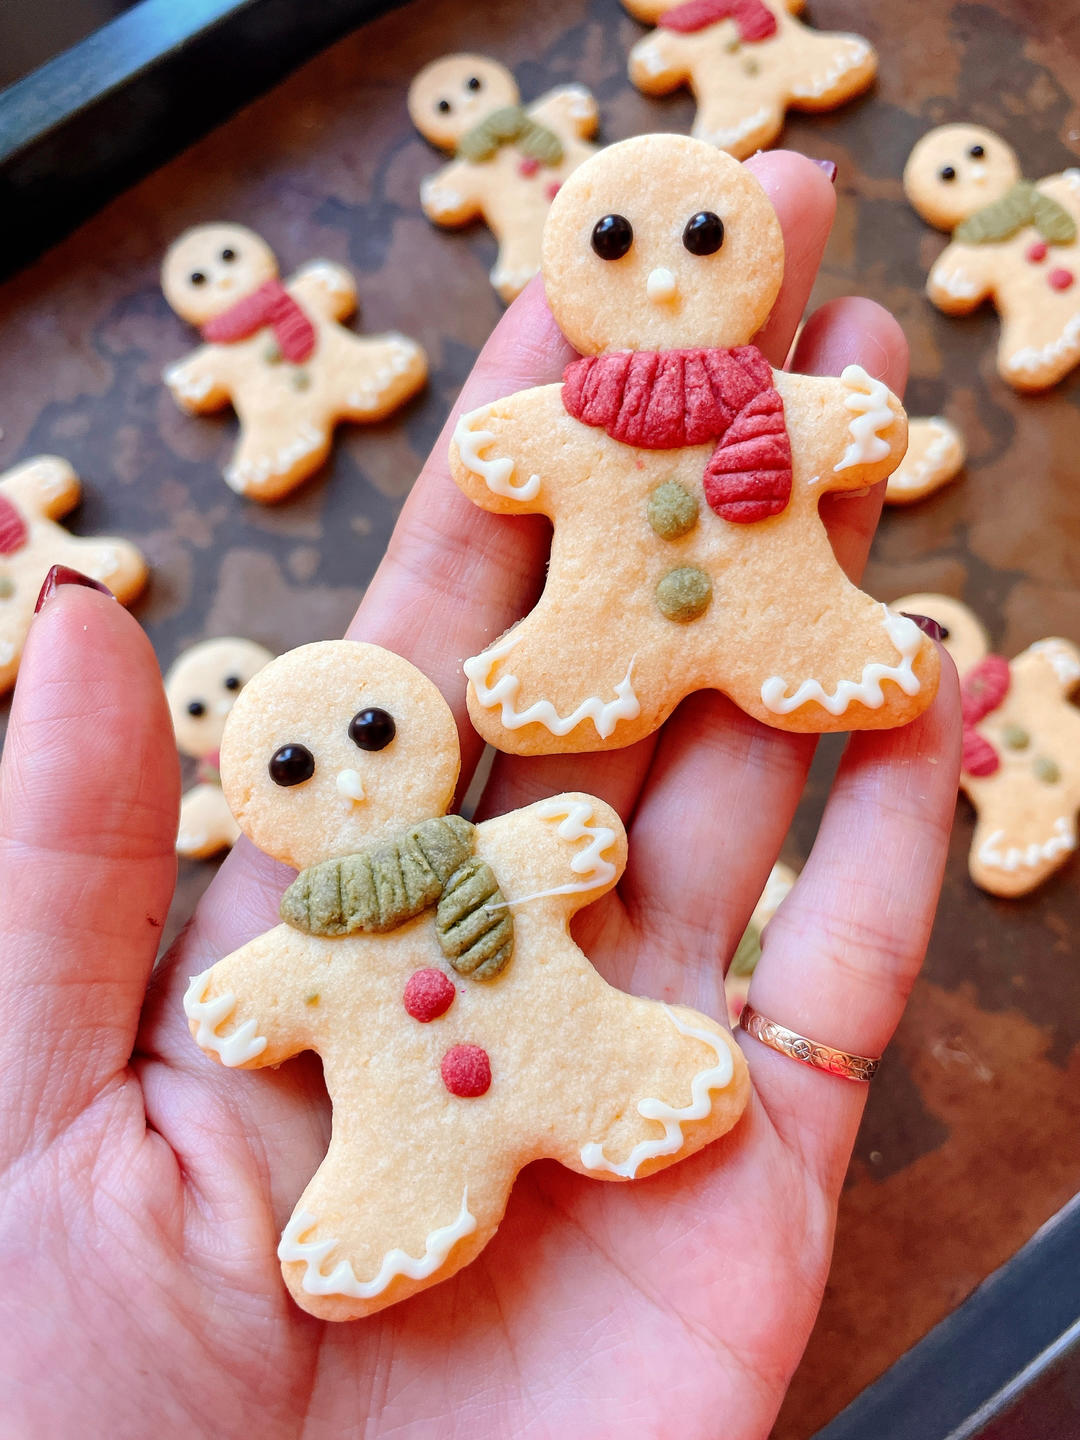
(910, 477)
(193, 389)
(956, 284)
(7, 652)
(904, 634)
(246, 473)
(1065, 664)
(497, 472)
(869, 399)
(1029, 856)
(723, 138)
(855, 54)
(716, 1078)
(1032, 358)
(342, 1279)
(235, 1049)
(588, 861)
(605, 716)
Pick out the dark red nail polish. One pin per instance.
(929, 627)
(64, 575)
(829, 166)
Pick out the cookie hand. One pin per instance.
(45, 486)
(196, 383)
(959, 280)
(500, 454)
(325, 288)
(449, 197)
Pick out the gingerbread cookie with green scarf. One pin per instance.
(429, 962)
(747, 62)
(509, 159)
(1014, 243)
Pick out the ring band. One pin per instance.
(808, 1052)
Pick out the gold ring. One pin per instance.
(808, 1052)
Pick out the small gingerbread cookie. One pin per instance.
(1021, 765)
(509, 159)
(748, 952)
(747, 62)
(279, 354)
(683, 477)
(1014, 242)
(429, 962)
(935, 455)
(33, 496)
(201, 688)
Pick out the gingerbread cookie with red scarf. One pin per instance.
(429, 962)
(279, 354)
(202, 687)
(1015, 242)
(1021, 756)
(747, 62)
(683, 476)
(33, 497)
(509, 159)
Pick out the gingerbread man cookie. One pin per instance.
(429, 962)
(201, 688)
(32, 498)
(935, 455)
(1014, 242)
(748, 952)
(509, 159)
(682, 475)
(279, 354)
(747, 62)
(1021, 759)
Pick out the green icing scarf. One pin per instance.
(510, 126)
(1022, 205)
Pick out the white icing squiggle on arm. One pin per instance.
(1061, 658)
(497, 472)
(1030, 856)
(235, 1049)
(342, 1279)
(716, 1078)
(869, 399)
(589, 861)
(904, 634)
(605, 716)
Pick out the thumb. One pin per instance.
(89, 793)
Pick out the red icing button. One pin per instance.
(466, 1071)
(1060, 279)
(1036, 252)
(554, 188)
(529, 166)
(428, 995)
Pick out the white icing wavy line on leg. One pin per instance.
(718, 1077)
(605, 716)
(245, 474)
(869, 398)
(342, 1279)
(235, 1049)
(723, 138)
(1027, 856)
(1064, 663)
(589, 861)
(1033, 358)
(496, 473)
(904, 634)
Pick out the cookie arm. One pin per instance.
(848, 432)
(507, 456)
(197, 382)
(570, 109)
(327, 289)
(450, 196)
(45, 486)
(1052, 665)
(569, 849)
(660, 62)
(961, 278)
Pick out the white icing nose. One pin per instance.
(661, 285)
(978, 172)
(223, 707)
(350, 786)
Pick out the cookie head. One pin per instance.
(333, 746)
(202, 687)
(957, 169)
(211, 267)
(661, 243)
(451, 95)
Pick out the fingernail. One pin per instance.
(829, 166)
(64, 575)
(933, 628)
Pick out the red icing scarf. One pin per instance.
(665, 399)
(754, 20)
(13, 530)
(981, 691)
(271, 304)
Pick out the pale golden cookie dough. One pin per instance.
(778, 887)
(33, 496)
(744, 86)
(287, 410)
(935, 455)
(509, 159)
(426, 1145)
(1026, 809)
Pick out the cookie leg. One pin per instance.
(1016, 847)
(1033, 355)
(379, 375)
(206, 823)
(737, 124)
(271, 459)
(518, 262)
(114, 562)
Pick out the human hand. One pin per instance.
(146, 1188)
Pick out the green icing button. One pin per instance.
(673, 511)
(7, 587)
(1016, 737)
(684, 593)
(301, 380)
(1047, 770)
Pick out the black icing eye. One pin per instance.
(444, 107)
(197, 277)
(704, 233)
(474, 83)
(196, 708)
(612, 237)
(947, 172)
(372, 729)
(228, 254)
(233, 682)
(977, 152)
(291, 765)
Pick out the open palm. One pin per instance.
(145, 1188)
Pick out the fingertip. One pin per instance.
(853, 331)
